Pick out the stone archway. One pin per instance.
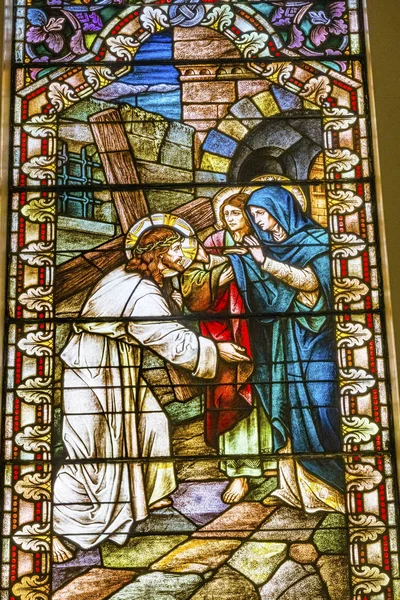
(293, 143)
(245, 145)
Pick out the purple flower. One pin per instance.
(77, 43)
(280, 18)
(286, 11)
(284, 15)
(45, 30)
(328, 22)
(296, 38)
(90, 21)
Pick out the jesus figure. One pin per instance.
(115, 433)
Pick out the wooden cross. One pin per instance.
(83, 272)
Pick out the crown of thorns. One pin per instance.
(142, 249)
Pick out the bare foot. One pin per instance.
(161, 504)
(236, 490)
(60, 552)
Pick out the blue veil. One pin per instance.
(307, 243)
(295, 366)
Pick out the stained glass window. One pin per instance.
(196, 394)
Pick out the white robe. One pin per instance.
(111, 415)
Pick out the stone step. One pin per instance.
(160, 586)
(139, 552)
(97, 583)
(239, 521)
(197, 556)
(227, 584)
(258, 560)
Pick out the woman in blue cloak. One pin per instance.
(286, 283)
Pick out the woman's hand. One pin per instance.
(236, 250)
(232, 353)
(177, 298)
(254, 246)
(226, 276)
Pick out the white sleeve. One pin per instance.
(301, 279)
(173, 341)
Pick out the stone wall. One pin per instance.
(163, 153)
(209, 90)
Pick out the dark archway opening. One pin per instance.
(285, 146)
(260, 162)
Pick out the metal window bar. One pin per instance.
(75, 169)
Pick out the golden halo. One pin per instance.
(174, 222)
(220, 198)
(293, 189)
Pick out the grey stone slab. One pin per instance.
(258, 560)
(309, 588)
(246, 109)
(288, 574)
(180, 134)
(303, 153)
(96, 583)
(200, 501)
(83, 558)
(288, 524)
(164, 519)
(311, 128)
(227, 584)
(274, 134)
(335, 572)
(81, 562)
(160, 586)
(176, 155)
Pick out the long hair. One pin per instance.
(238, 201)
(147, 254)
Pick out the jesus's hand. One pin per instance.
(226, 276)
(231, 352)
(254, 246)
(177, 298)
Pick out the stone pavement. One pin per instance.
(204, 549)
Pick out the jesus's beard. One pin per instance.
(175, 265)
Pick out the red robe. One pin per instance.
(229, 398)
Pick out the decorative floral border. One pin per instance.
(61, 31)
(31, 339)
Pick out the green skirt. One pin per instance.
(251, 437)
